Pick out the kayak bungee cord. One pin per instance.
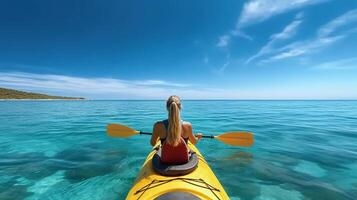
(186, 180)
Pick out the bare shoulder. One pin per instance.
(158, 124)
(187, 125)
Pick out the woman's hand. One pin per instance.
(199, 136)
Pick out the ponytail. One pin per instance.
(174, 128)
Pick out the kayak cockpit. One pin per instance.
(174, 170)
(178, 196)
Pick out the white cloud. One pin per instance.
(303, 48)
(326, 35)
(221, 70)
(256, 11)
(92, 87)
(106, 88)
(291, 53)
(330, 28)
(348, 63)
(241, 34)
(224, 40)
(156, 83)
(109, 88)
(287, 33)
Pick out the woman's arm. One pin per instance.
(188, 129)
(155, 134)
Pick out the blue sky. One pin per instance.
(257, 49)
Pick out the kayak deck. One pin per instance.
(199, 184)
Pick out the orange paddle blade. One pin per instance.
(118, 130)
(245, 139)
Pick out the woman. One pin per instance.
(173, 132)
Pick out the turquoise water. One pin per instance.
(59, 149)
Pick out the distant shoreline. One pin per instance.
(7, 94)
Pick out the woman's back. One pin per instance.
(160, 132)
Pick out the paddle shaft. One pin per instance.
(208, 136)
(203, 136)
(144, 133)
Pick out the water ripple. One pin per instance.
(59, 149)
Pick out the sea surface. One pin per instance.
(59, 149)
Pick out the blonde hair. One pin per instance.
(173, 106)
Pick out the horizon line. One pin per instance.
(181, 99)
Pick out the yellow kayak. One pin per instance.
(199, 183)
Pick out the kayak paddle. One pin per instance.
(118, 130)
(245, 139)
